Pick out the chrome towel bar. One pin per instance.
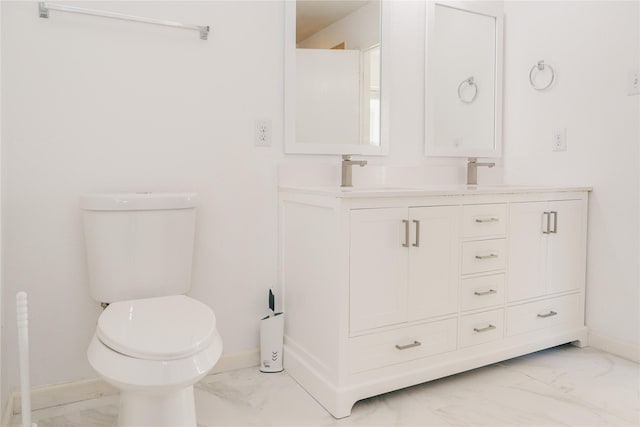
(45, 7)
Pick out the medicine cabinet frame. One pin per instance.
(291, 144)
(493, 9)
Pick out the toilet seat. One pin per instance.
(162, 328)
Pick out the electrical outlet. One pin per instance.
(633, 83)
(559, 139)
(263, 133)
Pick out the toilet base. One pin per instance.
(168, 409)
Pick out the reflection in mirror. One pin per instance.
(337, 84)
(463, 79)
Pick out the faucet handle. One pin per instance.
(473, 160)
(346, 157)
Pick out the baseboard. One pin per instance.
(619, 348)
(62, 394)
(239, 360)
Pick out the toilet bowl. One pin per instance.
(152, 342)
(154, 350)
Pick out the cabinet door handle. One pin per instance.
(555, 223)
(549, 314)
(406, 233)
(483, 220)
(483, 293)
(417, 243)
(406, 346)
(488, 328)
(490, 256)
(548, 222)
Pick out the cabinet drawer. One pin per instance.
(483, 255)
(481, 292)
(401, 345)
(481, 327)
(560, 311)
(484, 220)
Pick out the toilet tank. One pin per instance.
(138, 245)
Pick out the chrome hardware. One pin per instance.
(43, 10)
(489, 292)
(540, 66)
(406, 233)
(555, 222)
(45, 7)
(417, 243)
(548, 215)
(413, 344)
(472, 170)
(488, 328)
(549, 314)
(484, 220)
(490, 256)
(467, 83)
(347, 173)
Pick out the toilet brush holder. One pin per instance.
(271, 338)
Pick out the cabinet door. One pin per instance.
(527, 250)
(379, 268)
(565, 257)
(434, 261)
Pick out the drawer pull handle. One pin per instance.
(549, 314)
(490, 256)
(488, 328)
(484, 220)
(483, 293)
(406, 346)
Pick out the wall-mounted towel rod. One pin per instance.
(44, 8)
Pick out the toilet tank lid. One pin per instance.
(138, 201)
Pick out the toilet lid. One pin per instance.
(162, 328)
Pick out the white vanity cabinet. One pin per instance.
(544, 248)
(403, 265)
(390, 288)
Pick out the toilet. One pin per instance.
(152, 342)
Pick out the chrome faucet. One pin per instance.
(347, 176)
(472, 170)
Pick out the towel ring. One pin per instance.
(469, 83)
(540, 66)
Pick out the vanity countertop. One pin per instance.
(437, 190)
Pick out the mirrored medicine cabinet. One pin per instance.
(335, 101)
(463, 78)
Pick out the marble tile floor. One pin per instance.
(562, 386)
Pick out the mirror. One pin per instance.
(463, 87)
(333, 102)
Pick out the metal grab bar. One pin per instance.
(44, 7)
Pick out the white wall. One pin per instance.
(97, 105)
(592, 46)
(92, 104)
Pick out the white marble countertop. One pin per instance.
(417, 191)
